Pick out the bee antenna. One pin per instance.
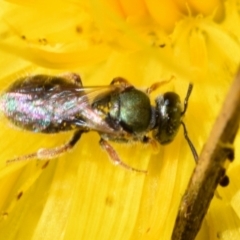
(190, 144)
(190, 87)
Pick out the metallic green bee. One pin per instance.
(118, 112)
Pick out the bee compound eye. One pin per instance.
(169, 113)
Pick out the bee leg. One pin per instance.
(72, 77)
(154, 144)
(157, 85)
(121, 81)
(46, 154)
(115, 158)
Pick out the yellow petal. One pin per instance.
(82, 195)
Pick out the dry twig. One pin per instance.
(209, 170)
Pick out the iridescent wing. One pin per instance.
(51, 104)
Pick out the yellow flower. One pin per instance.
(81, 195)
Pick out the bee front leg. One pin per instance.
(114, 158)
(157, 85)
(121, 81)
(72, 77)
(154, 144)
(46, 154)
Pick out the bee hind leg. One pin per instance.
(50, 153)
(114, 158)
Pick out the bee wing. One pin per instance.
(77, 103)
(53, 107)
(84, 95)
(87, 97)
(96, 93)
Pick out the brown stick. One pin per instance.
(210, 168)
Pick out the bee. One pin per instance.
(118, 112)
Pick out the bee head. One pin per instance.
(168, 117)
